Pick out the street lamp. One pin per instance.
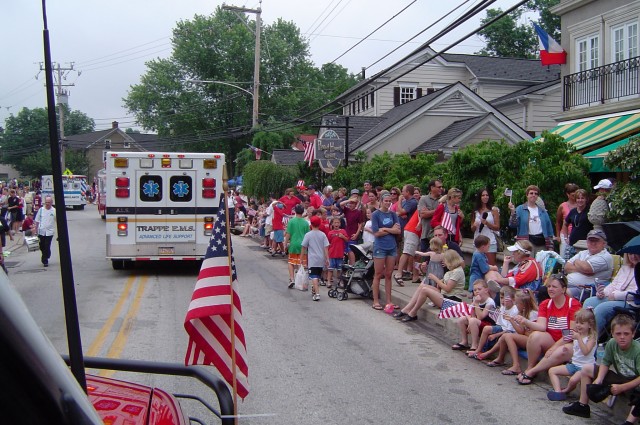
(255, 110)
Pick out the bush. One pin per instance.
(262, 178)
(625, 198)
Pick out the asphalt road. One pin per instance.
(326, 362)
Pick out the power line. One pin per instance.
(374, 31)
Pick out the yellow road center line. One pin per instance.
(100, 339)
(123, 334)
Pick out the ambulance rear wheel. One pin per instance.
(117, 264)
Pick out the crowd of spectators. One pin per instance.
(516, 308)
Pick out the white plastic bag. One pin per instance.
(302, 280)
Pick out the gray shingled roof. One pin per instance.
(525, 91)
(87, 140)
(394, 115)
(287, 156)
(522, 70)
(360, 125)
(506, 68)
(449, 134)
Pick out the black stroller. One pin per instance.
(358, 278)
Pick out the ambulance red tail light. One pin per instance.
(122, 187)
(123, 226)
(208, 188)
(208, 226)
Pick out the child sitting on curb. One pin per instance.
(479, 262)
(623, 353)
(491, 334)
(472, 325)
(584, 338)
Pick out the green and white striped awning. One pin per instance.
(595, 133)
(597, 157)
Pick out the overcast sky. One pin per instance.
(109, 41)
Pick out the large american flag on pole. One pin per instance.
(451, 309)
(310, 152)
(215, 330)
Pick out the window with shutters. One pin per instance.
(407, 93)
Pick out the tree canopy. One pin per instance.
(220, 48)
(25, 143)
(507, 37)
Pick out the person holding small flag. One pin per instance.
(479, 318)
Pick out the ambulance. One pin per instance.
(74, 187)
(160, 206)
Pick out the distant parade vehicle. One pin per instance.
(160, 206)
(75, 189)
(101, 192)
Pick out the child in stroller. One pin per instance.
(356, 279)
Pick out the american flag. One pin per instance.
(447, 223)
(209, 318)
(451, 309)
(309, 152)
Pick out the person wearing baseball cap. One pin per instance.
(355, 217)
(603, 184)
(586, 266)
(600, 207)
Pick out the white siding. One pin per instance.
(516, 113)
(493, 91)
(413, 135)
(543, 111)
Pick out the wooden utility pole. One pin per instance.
(63, 99)
(256, 62)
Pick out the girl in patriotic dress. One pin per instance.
(449, 215)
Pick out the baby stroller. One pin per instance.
(358, 278)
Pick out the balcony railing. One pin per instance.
(603, 84)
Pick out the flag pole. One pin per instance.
(232, 320)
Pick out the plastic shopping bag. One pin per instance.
(302, 280)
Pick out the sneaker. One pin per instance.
(291, 283)
(431, 304)
(577, 409)
(316, 297)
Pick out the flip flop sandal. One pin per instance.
(508, 372)
(523, 376)
(408, 318)
(377, 307)
(459, 347)
(495, 364)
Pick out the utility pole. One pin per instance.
(63, 99)
(256, 62)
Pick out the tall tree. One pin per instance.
(507, 38)
(26, 138)
(220, 48)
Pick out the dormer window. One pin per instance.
(126, 145)
(406, 92)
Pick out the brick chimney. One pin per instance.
(114, 124)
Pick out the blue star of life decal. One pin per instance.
(180, 189)
(151, 188)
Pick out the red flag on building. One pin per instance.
(551, 52)
(309, 152)
(213, 320)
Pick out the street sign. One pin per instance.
(67, 172)
(330, 151)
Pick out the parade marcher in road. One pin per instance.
(314, 198)
(45, 222)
